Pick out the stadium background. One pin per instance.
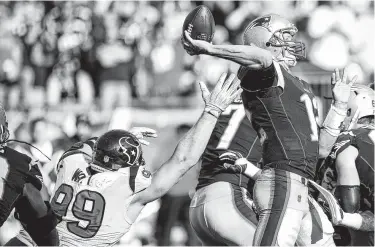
(86, 67)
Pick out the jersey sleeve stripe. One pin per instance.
(280, 76)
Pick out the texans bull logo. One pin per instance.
(130, 148)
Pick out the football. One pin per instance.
(200, 24)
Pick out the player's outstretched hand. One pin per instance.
(341, 87)
(192, 46)
(225, 92)
(142, 132)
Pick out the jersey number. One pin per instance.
(233, 125)
(311, 106)
(88, 207)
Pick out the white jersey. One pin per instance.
(93, 207)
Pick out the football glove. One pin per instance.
(225, 92)
(228, 160)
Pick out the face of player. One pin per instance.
(291, 59)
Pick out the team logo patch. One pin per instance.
(78, 175)
(106, 159)
(146, 173)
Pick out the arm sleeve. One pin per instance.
(253, 80)
(42, 230)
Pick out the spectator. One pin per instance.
(116, 59)
(68, 81)
(10, 71)
(83, 129)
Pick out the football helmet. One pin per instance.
(361, 104)
(116, 149)
(275, 34)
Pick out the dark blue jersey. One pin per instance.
(233, 132)
(283, 111)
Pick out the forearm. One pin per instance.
(331, 128)
(363, 221)
(248, 56)
(186, 155)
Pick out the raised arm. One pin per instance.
(332, 124)
(248, 56)
(191, 146)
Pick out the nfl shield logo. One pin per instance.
(106, 159)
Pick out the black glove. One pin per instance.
(228, 160)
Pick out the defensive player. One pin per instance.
(98, 205)
(224, 193)
(282, 109)
(20, 187)
(352, 157)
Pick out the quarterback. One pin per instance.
(282, 109)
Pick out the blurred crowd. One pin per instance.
(106, 53)
(65, 67)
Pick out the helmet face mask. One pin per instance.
(275, 34)
(116, 149)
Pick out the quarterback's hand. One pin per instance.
(192, 46)
(224, 93)
(142, 132)
(341, 88)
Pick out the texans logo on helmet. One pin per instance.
(131, 148)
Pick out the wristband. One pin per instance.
(215, 107)
(212, 112)
(333, 121)
(352, 220)
(340, 105)
(251, 170)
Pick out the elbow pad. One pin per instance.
(348, 197)
(333, 121)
